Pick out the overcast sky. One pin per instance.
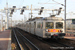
(20, 3)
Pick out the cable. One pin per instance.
(58, 2)
(46, 2)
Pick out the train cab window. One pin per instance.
(50, 25)
(59, 25)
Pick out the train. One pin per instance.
(48, 27)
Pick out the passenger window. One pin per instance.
(40, 25)
(32, 25)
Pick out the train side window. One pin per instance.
(24, 25)
(32, 25)
(40, 25)
(27, 25)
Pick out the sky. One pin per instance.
(70, 7)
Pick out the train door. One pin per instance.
(26, 26)
(34, 28)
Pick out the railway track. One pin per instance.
(52, 43)
(14, 42)
(23, 42)
(68, 41)
(58, 44)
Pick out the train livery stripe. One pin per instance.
(53, 30)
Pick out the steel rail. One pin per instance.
(29, 41)
(17, 40)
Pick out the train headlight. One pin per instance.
(60, 31)
(47, 30)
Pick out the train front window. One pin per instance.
(50, 25)
(59, 25)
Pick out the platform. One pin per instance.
(70, 36)
(5, 40)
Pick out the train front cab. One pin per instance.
(55, 29)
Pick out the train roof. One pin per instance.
(46, 18)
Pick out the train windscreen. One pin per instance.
(50, 25)
(59, 25)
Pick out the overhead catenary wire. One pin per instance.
(44, 4)
(57, 2)
(53, 3)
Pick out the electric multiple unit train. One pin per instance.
(49, 27)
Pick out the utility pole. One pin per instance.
(6, 15)
(65, 15)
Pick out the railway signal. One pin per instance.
(22, 10)
(12, 10)
(41, 10)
